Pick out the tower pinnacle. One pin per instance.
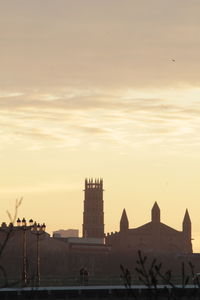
(187, 232)
(124, 224)
(155, 213)
(187, 223)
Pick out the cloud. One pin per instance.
(69, 117)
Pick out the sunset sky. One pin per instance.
(105, 89)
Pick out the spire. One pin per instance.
(187, 233)
(187, 222)
(124, 225)
(186, 217)
(155, 213)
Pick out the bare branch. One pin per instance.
(18, 202)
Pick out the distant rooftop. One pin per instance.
(66, 233)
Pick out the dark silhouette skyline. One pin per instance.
(154, 236)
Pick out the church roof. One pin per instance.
(149, 227)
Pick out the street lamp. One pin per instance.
(22, 225)
(38, 230)
(34, 228)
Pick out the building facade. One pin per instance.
(154, 236)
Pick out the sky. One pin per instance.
(100, 89)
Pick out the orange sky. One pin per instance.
(90, 89)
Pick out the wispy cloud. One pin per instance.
(69, 117)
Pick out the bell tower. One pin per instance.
(93, 214)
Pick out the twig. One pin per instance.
(17, 205)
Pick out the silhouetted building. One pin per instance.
(62, 233)
(87, 245)
(93, 215)
(100, 254)
(153, 236)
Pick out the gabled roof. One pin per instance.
(149, 227)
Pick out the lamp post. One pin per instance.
(38, 230)
(22, 225)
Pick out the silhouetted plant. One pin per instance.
(195, 278)
(126, 276)
(149, 275)
(185, 278)
(17, 205)
(166, 277)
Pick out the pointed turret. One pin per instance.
(187, 233)
(187, 223)
(155, 213)
(124, 225)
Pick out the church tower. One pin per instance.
(124, 225)
(93, 215)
